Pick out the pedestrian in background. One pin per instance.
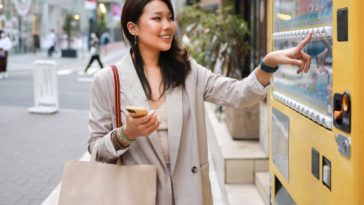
(95, 51)
(52, 40)
(159, 75)
(3, 58)
(36, 42)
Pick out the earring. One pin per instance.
(135, 40)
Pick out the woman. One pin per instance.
(3, 58)
(158, 75)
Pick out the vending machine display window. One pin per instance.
(308, 93)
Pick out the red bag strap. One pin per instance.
(117, 95)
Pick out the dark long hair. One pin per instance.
(174, 63)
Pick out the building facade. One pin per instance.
(27, 22)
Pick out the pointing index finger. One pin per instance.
(304, 41)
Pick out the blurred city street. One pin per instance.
(34, 147)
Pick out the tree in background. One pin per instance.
(70, 26)
(215, 39)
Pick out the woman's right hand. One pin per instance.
(142, 126)
(294, 56)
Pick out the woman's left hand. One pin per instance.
(293, 56)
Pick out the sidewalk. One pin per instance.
(25, 62)
(33, 149)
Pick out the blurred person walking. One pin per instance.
(36, 42)
(159, 75)
(52, 40)
(3, 57)
(95, 52)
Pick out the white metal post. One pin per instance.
(45, 87)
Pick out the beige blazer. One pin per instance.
(187, 139)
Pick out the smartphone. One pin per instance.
(136, 111)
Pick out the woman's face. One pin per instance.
(156, 27)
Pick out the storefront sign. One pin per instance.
(22, 6)
(90, 4)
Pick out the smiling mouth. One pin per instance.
(166, 36)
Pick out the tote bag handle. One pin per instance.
(117, 95)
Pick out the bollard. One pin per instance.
(45, 87)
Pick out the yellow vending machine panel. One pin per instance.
(316, 118)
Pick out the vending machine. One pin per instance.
(317, 118)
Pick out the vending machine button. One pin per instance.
(295, 106)
(317, 119)
(301, 34)
(343, 145)
(306, 32)
(317, 32)
(296, 34)
(312, 116)
(323, 121)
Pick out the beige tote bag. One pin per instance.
(95, 183)
(92, 183)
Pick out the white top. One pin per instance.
(162, 131)
(52, 39)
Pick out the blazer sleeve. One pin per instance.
(222, 90)
(101, 117)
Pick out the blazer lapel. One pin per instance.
(135, 93)
(174, 120)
